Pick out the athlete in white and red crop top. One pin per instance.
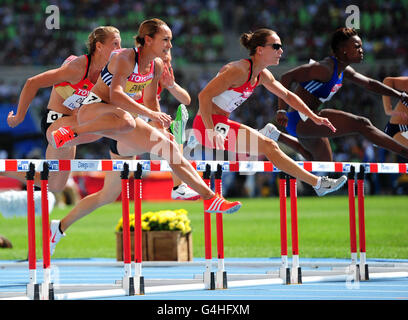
(231, 87)
(232, 98)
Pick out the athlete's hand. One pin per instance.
(13, 120)
(163, 118)
(282, 118)
(167, 77)
(217, 139)
(325, 122)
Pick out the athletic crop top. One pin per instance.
(232, 98)
(74, 94)
(135, 82)
(324, 90)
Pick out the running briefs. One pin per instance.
(392, 129)
(293, 119)
(226, 127)
(48, 117)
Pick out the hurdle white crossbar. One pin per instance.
(83, 165)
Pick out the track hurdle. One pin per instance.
(35, 291)
(128, 285)
(374, 271)
(224, 280)
(33, 288)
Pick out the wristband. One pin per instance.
(404, 95)
(169, 87)
(281, 110)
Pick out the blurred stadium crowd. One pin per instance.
(205, 35)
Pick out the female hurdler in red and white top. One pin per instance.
(235, 82)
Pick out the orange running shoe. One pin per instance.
(219, 204)
(62, 136)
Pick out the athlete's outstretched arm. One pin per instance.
(303, 73)
(274, 86)
(373, 85)
(169, 82)
(68, 72)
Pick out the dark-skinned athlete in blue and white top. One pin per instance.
(318, 82)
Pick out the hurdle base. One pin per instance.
(364, 275)
(139, 285)
(296, 275)
(128, 285)
(209, 280)
(33, 291)
(221, 280)
(284, 274)
(47, 291)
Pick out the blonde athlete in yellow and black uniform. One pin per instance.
(71, 84)
(108, 111)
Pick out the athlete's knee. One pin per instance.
(267, 146)
(107, 196)
(56, 186)
(125, 121)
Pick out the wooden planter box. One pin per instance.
(160, 246)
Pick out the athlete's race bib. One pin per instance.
(77, 99)
(91, 98)
(53, 116)
(222, 129)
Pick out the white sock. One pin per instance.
(319, 181)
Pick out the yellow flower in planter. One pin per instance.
(176, 220)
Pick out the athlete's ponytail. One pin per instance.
(148, 28)
(252, 40)
(99, 34)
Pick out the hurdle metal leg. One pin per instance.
(127, 280)
(209, 277)
(221, 275)
(33, 288)
(138, 278)
(296, 272)
(361, 225)
(47, 289)
(284, 271)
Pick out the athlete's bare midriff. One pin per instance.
(310, 100)
(101, 89)
(56, 104)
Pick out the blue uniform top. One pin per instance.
(324, 90)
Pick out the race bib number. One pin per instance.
(91, 98)
(77, 99)
(222, 129)
(53, 116)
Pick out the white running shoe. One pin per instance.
(183, 192)
(328, 185)
(270, 131)
(55, 235)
